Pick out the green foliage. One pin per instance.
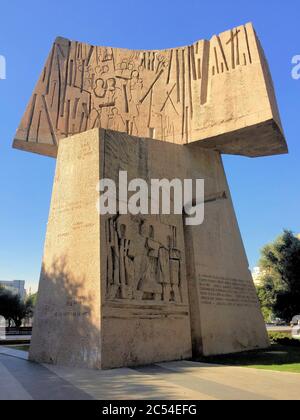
(274, 336)
(267, 296)
(33, 299)
(283, 339)
(12, 308)
(279, 293)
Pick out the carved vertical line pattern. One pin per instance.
(66, 75)
(223, 53)
(183, 92)
(157, 65)
(126, 99)
(187, 124)
(199, 68)
(170, 67)
(82, 75)
(67, 122)
(90, 55)
(113, 59)
(44, 74)
(150, 109)
(38, 127)
(86, 116)
(71, 72)
(97, 55)
(205, 72)
(238, 61)
(54, 140)
(75, 108)
(178, 76)
(50, 69)
(59, 92)
(190, 82)
(153, 61)
(193, 60)
(53, 94)
(232, 50)
(81, 121)
(75, 62)
(61, 50)
(216, 59)
(248, 46)
(33, 104)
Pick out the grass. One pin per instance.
(278, 357)
(24, 347)
(282, 356)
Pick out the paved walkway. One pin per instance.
(15, 339)
(20, 379)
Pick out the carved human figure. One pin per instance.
(164, 273)
(100, 88)
(115, 120)
(149, 285)
(175, 280)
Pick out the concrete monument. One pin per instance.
(124, 290)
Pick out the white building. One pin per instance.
(15, 286)
(256, 274)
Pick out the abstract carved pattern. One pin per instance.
(156, 94)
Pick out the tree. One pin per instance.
(30, 303)
(6, 305)
(12, 308)
(267, 296)
(280, 268)
(33, 299)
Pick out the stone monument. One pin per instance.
(125, 290)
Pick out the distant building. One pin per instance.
(257, 276)
(16, 286)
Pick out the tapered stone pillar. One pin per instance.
(123, 290)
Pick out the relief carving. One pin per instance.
(143, 261)
(156, 94)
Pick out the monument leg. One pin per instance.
(122, 290)
(67, 322)
(225, 311)
(113, 289)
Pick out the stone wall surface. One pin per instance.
(217, 93)
(129, 290)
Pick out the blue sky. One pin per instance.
(265, 190)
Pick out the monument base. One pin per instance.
(120, 291)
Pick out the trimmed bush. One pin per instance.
(283, 339)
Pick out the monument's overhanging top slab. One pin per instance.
(218, 94)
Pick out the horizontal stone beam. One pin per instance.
(218, 94)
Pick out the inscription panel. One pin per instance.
(222, 291)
